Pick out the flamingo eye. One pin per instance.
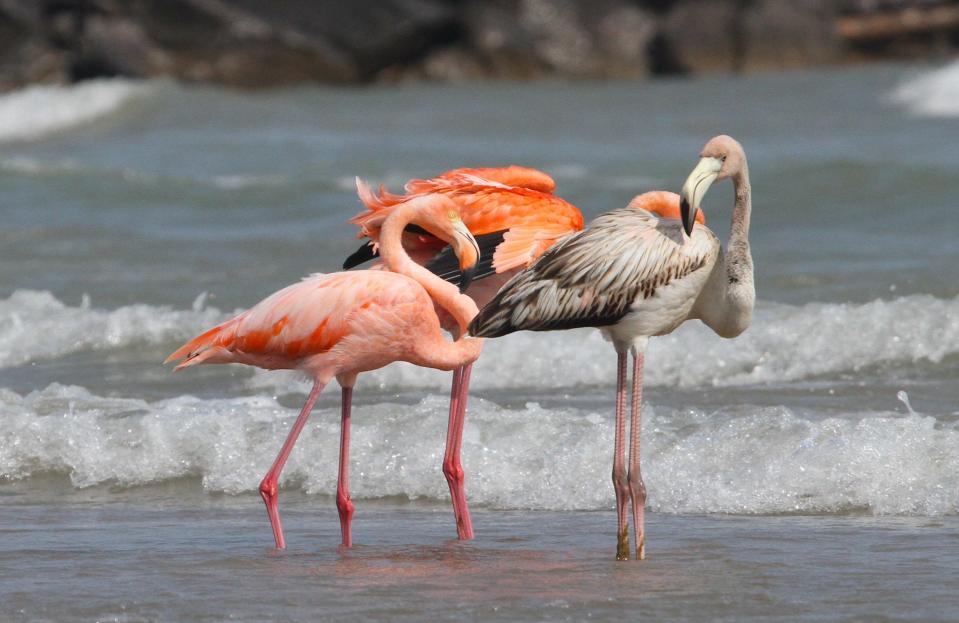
(452, 215)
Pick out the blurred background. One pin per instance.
(251, 43)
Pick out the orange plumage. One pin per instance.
(663, 204)
(515, 200)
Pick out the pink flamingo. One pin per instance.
(341, 324)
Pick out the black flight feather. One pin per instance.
(366, 253)
(447, 267)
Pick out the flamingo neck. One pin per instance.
(442, 354)
(445, 294)
(742, 208)
(726, 303)
(738, 291)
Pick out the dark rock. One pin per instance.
(522, 38)
(252, 43)
(734, 35)
(790, 33)
(704, 35)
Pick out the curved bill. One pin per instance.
(698, 182)
(467, 250)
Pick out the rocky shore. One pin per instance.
(260, 43)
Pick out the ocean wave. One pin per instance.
(38, 111)
(932, 93)
(741, 460)
(35, 325)
(785, 343)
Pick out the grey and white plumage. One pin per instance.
(626, 263)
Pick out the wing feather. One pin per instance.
(515, 200)
(593, 277)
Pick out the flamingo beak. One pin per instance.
(698, 182)
(466, 278)
(468, 252)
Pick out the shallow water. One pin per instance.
(176, 553)
(786, 479)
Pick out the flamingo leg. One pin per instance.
(268, 486)
(343, 502)
(452, 465)
(637, 488)
(620, 481)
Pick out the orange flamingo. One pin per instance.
(341, 324)
(511, 211)
(515, 218)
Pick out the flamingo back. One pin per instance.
(344, 322)
(663, 204)
(596, 277)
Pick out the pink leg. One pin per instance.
(343, 503)
(637, 489)
(452, 465)
(268, 486)
(620, 482)
(448, 470)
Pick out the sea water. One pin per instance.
(807, 470)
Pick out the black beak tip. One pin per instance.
(685, 210)
(466, 278)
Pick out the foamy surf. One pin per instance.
(932, 93)
(740, 460)
(785, 343)
(35, 325)
(38, 111)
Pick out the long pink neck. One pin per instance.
(460, 306)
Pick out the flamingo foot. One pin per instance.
(345, 507)
(270, 495)
(622, 544)
(456, 478)
(641, 547)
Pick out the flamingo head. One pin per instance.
(441, 217)
(720, 158)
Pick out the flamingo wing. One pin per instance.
(491, 200)
(593, 277)
(379, 202)
(511, 175)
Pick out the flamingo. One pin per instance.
(341, 324)
(511, 211)
(638, 272)
(515, 218)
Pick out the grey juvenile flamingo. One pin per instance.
(638, 272)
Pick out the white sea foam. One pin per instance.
(933, 93)
(35, 325)
(785, 343)
(740, 460)
(37, 111)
